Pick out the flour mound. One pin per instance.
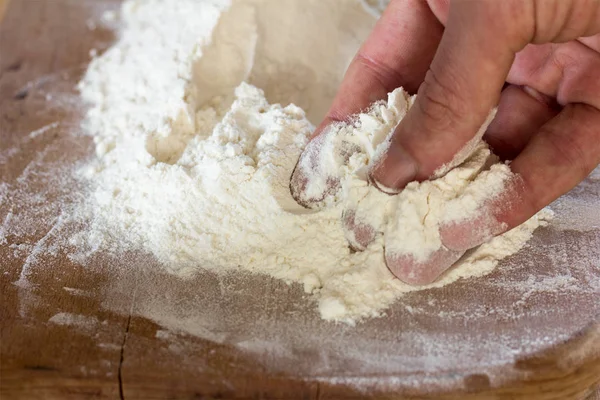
(193, 159)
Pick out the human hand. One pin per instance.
(460, 55)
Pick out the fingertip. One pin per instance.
(487, 222)
(358, 234)
(465, 235)
(311, 182)
(417, 273)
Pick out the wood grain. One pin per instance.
(120, 356)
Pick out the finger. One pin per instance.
(410, 270)
(362, 219)
(358, 233)
(564, 153)
(566, 72)
(315, 180)
(561, 155)
(561, 21)
(521, 112)
(461, 87)
(397, 53)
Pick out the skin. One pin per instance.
(537, 60)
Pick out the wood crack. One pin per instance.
(124, 342)
(120, 370)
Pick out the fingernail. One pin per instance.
(541, 97)
(465, 235)
(299, 182)
(311, 182)
(297, 185)
(379, 186)
(394, 170)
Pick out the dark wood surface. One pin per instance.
(40, 360)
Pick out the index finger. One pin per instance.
(397, 53)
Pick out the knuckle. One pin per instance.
(565, 56)
(561, 21)
(568, 151)
(384, 75)
(527, 203)
(441, 103)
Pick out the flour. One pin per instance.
(81, 322)
(194, 159)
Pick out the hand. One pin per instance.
(538, 60)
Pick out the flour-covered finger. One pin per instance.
(413, 271)
(358, 232)
(365, 214)
(316, 179)
(462, 85)
(397, 53)
(559, 156)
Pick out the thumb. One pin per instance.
(461, 87)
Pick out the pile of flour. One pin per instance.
(193, 159)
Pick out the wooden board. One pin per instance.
(115, 352)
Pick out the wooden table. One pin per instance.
(70, 331)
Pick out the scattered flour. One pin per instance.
(194, 160)
(81, 322)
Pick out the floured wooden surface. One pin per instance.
(119, 325)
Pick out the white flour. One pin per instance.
(193, 165)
